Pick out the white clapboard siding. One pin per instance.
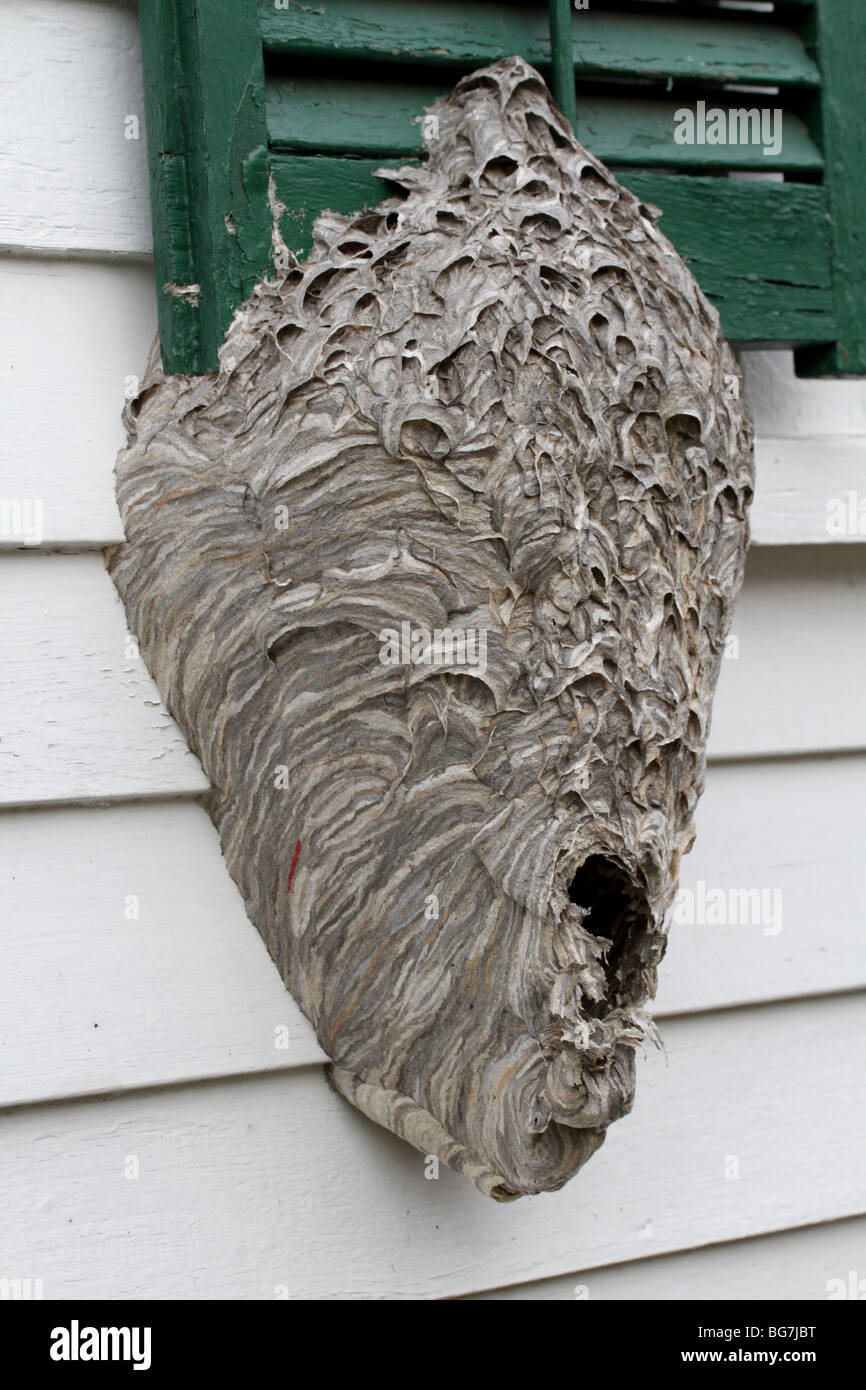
(186, 990)
(72, 180)
(803, 491)
(797, 682)
(81, 720)
(74, 337)
(96, 998)
(803, 1265)
(76, 334)
(795, 831)
(273, 1184)
(784, 405)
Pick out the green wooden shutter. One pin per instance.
(315, 96)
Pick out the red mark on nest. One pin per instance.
(294, 864)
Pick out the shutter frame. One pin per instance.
(835, 35)
(208, 165)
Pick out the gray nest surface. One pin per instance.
(497, 405)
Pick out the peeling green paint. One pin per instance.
(207, 143)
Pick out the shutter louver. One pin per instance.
(331, 92)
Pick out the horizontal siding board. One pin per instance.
(313, 115)
(94, 998)
(784, 406)
(72, 179)
(734, 235)
(464, 33)
(274, 1183)
(792, 1265)
(797, 480)
(81, 720)
(60, 428)
(803, 485)
(186, 990)
(792, 830)
(74, 337)
(797, 683)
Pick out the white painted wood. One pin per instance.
(186, 990)
(71, 177)
(79, 718)
(801, 486)
(73, 339)
(127, 958)
(783, 405)
(273, 1183)
(797, 683)
(793, 1265)
(794, 830)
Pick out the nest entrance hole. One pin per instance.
(617, 912)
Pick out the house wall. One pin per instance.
(168, 1130)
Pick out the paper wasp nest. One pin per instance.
(435, 575)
